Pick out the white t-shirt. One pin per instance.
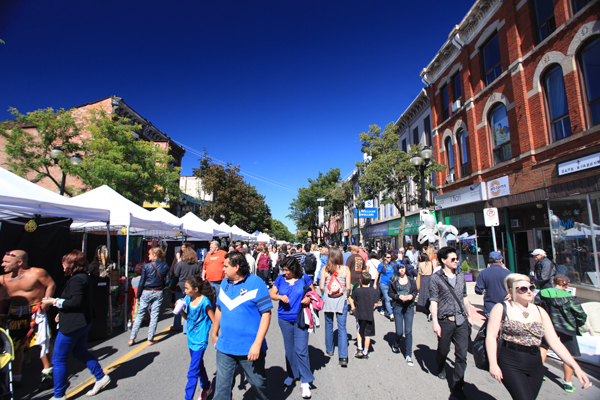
(373, 263)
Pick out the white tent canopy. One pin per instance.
(123, 212)
(195, 227)
(244, 235)
(264, 238)
(217, 229)
(20, 198)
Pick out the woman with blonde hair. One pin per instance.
(154, 278)
(515, 361)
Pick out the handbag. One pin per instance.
(480, 355)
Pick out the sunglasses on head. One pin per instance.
(8, 253)
(524, 289)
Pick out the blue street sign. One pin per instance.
(366, 213)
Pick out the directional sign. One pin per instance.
(490, 216)
(365, 213)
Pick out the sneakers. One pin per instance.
(47, 381)
(306, 391)
(365, 356)
(329, 354)
(395, 349)
(442, 374)
(344, 362)
(59, 398)
(391, 317)
(98, 386)
(205, 393)
(382, 312)
(359, 353)
(568, 386)
(409, 361)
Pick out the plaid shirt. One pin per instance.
(440, 293)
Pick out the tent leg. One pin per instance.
(110, 310)
(125, 310)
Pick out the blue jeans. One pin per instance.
(404, 323)
(196, 371)
(177, 325)
(342, 334)
(387, 306)
(295, 341)
(254, 370)
(217, 286)
(75, 342)
(149, 298)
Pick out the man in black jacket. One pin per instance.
(544, 270)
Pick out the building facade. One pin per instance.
(515, 111)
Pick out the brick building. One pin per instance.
(111, 105)
(515, 111)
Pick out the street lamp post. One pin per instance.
(422, 162)
(55, 154)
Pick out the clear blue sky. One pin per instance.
(281, 87)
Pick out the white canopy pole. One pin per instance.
(126, 278)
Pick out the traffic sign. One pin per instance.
(490, 216)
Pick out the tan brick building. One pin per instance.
(515, 111)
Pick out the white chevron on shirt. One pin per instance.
(231, 304)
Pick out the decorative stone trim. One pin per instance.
(588, 30)
(550, 58)
(494, 98)
(460, 124)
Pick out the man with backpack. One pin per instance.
(307, 260)
(544, 270)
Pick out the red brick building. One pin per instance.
(515, 110)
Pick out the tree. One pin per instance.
(304, 208)
(387, 171)
(280, 232)
(137, 169)
(234, 201)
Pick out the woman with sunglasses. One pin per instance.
(402, 291)
(385, 272)
(517, 363)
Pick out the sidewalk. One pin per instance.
(476, 305)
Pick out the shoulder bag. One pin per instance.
(480, 355)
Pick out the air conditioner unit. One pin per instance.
(456, 105)
(450, 178)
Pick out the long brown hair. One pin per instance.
(334, 260)
(75, 262)
(189, 256)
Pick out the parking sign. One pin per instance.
(490, 216)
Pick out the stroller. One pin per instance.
(7, 355)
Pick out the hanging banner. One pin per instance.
(498, 187)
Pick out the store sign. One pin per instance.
(579, 164)
(498, 187)
(366, 213)
(466, 195)
(377, 230)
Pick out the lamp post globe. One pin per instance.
(56, 153)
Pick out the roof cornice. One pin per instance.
(413, 110)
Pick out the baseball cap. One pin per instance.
(538, 252)
(561, 280)
(495, 256)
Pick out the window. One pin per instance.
(544, 18)
(579, 4)
(590, 60)
(445, 103)
(461, 137)
(449, 155)
(427, 128)
(500, 134)
(556, 98)
(456, 87)
(404, 145)
(492, 64)
(391, 210)
(416, 136)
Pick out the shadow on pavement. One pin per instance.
(426, 359)
(473, 392)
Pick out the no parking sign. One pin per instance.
(490, 216)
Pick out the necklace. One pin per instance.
(525, 312)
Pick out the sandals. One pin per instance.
(131, 343)
(151, 342)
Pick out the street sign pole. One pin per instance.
(490, 218)
(494, 237)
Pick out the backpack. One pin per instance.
(334, 287)
(310, 264)
(480, 355)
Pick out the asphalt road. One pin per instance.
(159, 371)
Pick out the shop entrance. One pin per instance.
(544, 241)
(522, 256)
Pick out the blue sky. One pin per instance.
(281, 87)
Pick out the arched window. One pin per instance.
(558, 109)
(449, 156)
(500, 134)
(461, 137)
(590, 60)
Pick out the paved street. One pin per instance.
(159, 372)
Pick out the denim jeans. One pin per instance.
(177, 325)
(196, 371)
(75, 342)
(295, 342)
(342, 334)
(149, 298)
(254, 370)
(404, 323)
(387, 306)
(217, 286)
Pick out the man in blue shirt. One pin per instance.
(243, 316)
(490, 282)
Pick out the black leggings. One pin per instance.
(522, 373)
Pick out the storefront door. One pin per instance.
(522, 256)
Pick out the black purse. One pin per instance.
(480, 355)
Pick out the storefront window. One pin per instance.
(572, 238)
(466, 242)
(595, 205)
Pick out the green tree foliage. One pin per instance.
(234, 201)
(139, 170)
(389, 171)
(280, 232)
(304, 208)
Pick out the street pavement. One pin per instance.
(159, 371)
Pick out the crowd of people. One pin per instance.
(230, 296)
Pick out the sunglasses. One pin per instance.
(8, 253)
(453, 259)
(524, 289)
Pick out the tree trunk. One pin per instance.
(401, 232)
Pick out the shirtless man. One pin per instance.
(26, 287)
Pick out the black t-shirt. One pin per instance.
(364, 300)
(357, 266)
